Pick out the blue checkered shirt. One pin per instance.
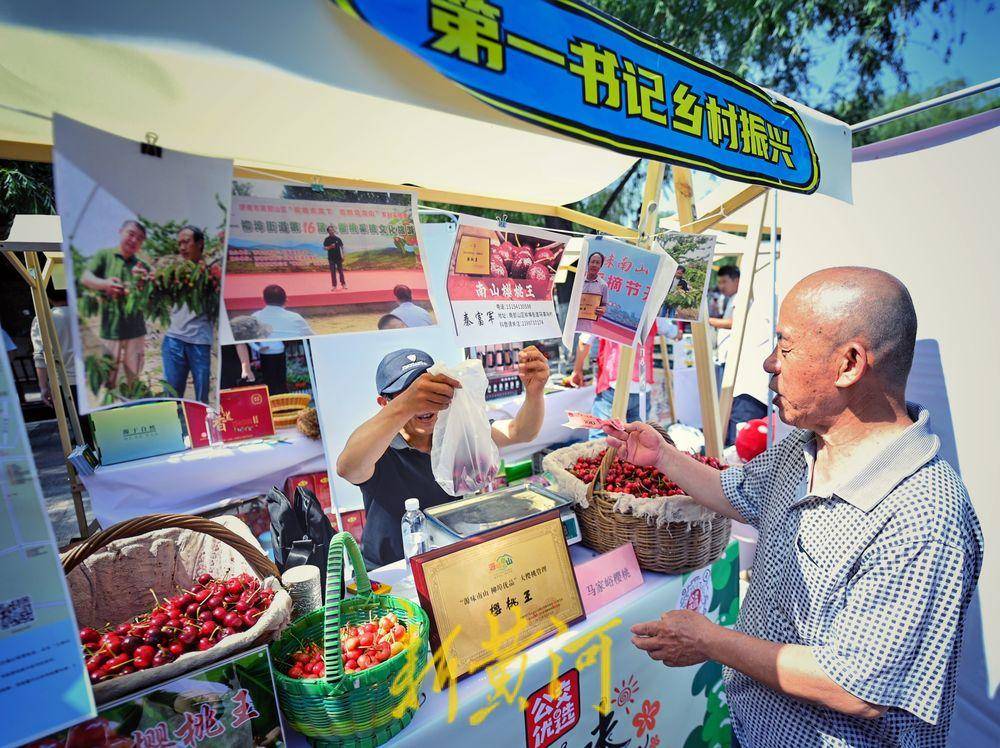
(875, 578)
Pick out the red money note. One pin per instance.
(579, 420)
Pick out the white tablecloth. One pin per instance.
(553, 431)
(200, 479)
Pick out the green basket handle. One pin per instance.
(332, 622)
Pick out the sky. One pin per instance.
(976, 60)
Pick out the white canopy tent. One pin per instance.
(310, 91)
(921, 211)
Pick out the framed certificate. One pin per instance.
(482, 585)
(588, 305)
(473, 256)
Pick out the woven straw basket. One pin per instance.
(686, 538)
(285, 408)
(117, 567)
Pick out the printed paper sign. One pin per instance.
(304, 263)
(143, 243)
(693, 254)
(228, 704)
(607, 577)
(617, 290)
(44, 684)
(500, 282)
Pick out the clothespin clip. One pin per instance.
(502, 221)
(150, 148)
(317, 186)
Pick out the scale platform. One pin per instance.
(467, 517)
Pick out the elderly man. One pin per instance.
(869, 548)
(187, 344)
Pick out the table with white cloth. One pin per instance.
(557, 402)
(199, 480)
(648, 703)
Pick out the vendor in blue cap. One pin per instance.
(389, 456)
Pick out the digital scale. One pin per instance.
(468, 517)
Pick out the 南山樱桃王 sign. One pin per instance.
(567, 66)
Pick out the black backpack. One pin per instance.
(300, 531)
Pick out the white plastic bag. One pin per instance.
(464, 457)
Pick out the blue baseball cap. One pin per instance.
(398, 369)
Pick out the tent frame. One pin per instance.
(713, 412)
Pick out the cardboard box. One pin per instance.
(137, 431)
(245, 413)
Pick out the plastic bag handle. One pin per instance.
(332, 615)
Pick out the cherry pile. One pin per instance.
(191, 621)
(624, 477)
(362, 646)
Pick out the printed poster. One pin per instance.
(228, 704)
(43, 681)
(500, 282)
(617, 289)
(303, 262)
(693, 254)
(142, 240)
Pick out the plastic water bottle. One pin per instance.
(414, 539)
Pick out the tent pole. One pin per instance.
(647, 226)
(46, 329)
(704, 366)
(741, 310)
(774, 317)
(925, 105)
(667, 377)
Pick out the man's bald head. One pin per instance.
(859, 303)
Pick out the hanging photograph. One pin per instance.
(500, 282)
(693, 254)
(616, 290)
(306, 261)
(143, 243)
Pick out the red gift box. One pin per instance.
(195, 416)
(245, 413)
(354, 522)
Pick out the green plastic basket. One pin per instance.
(347, 709)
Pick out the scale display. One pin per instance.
(477, 514)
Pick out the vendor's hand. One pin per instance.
(247, 374)
(576, 379)
(429, 393)
(677, 639)
(141, 272)
(46, 394)
(533, 369)
(600, 311)
(638, 443)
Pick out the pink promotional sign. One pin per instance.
(607, 577)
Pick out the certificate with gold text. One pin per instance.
(512, 584)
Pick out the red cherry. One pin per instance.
(204, 644)
(208, 627)
(234, 621)
(177, 648)
(204, 579)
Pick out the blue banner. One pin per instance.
(568, 67)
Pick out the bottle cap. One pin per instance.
(412, 505)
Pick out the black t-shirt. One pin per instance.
(401, 473)
(334, 247)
